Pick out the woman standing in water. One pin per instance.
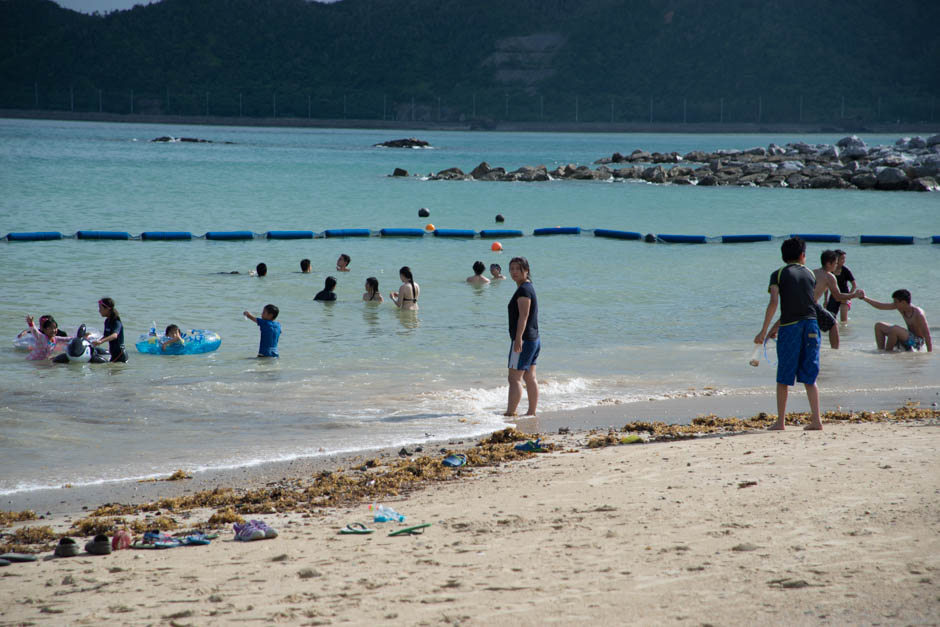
(407, 295)
(524, 335)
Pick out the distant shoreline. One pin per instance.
(482, 125)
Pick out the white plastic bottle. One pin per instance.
(755, 356)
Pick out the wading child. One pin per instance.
(270, 330)
(113, 330)
(173, 336)
(889, 336)
(327, 293)
(46, 337)
(793, 287)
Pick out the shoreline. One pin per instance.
(788, 527)
(73, 500)
(481, 125)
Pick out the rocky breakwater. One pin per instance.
(909, 164)
(408, 142)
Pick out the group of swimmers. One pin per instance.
(48, 337)
(797, 290)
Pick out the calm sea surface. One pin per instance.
(620, 320)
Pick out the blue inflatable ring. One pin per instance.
(194, 342)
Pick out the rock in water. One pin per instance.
(409, 142)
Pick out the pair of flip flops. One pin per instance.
(358, 528)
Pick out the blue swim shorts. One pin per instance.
(798, 352)
(528, 356)
(913, 342)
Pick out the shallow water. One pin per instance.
(620, 320)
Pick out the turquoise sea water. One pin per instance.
(620, 320)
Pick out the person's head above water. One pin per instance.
(270, 312)
(261, 269)
(171, 330)
(478, 267)
(372, 285)
(305, 265)
(343, 261)
(792, 249)
(329, 284)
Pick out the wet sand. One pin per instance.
(788, 528)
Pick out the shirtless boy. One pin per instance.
(793, 286)
(826, 282)
(888, 336)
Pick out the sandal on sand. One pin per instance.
(356, 528)
(121, 540)
(410, 531)
(67, 547)
(531, 447)
(155, 545)
(99, 546)
(458, 459)
(195, 539)
(18, 557)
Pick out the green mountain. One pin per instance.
(451, 59)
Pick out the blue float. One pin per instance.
(830, 238)
(465, 233)
(739, 239)
(194, 342)
(558, 230)
(229, 236)
(492, 233)
(347, 233)
(165, 236)
(681, 239)
(34, 236)
(120, 235)
(885, 239)
(290, 234)
(617, 234)
(401, 232)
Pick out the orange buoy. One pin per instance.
(496, 247)
(429, 228)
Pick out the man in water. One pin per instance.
(793, 287)
(917, 333)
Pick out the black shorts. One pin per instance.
(824, 318)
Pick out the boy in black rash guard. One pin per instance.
(794, 287)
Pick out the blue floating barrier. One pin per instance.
(289, 234)
(165, 235)
(34, 236)
(682, 239)
(347, 233)
(102, 235)
(468, 233)
(936, 239)
(738, 239)
(401, 232)
(617, 234)
(885, 239)
(558, 230)
(818, 237)
(228, 236)
(486, 233)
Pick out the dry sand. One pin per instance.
(838, 527)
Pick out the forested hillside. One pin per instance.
(452, 59)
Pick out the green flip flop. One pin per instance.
(356, 528)
(410, 531)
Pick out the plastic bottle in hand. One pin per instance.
(755, 356)
(386, 514)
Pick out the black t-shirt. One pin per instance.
(844, 278)
(325, 295)
(114, 325)
(532, 323)
(797, 284)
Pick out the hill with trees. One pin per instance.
(604, 60)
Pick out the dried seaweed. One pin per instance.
(8, 518)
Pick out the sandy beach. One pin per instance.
(838, 527)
